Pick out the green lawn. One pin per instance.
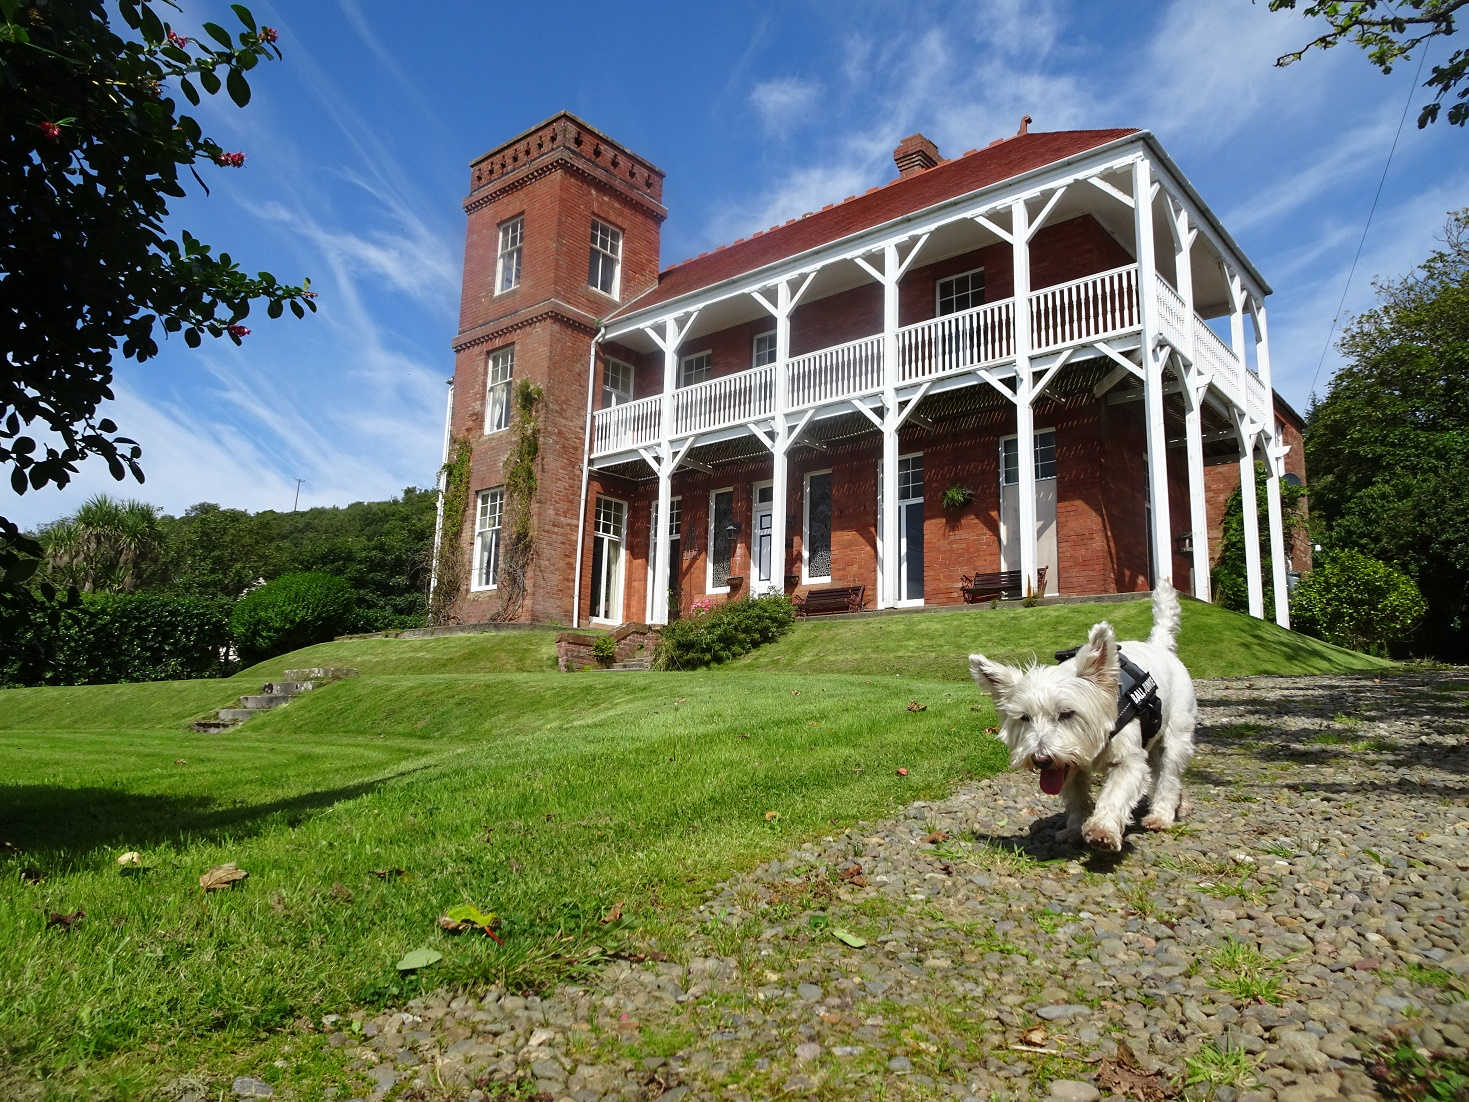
(543, 797)
(936, 645)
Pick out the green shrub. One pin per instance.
(105, 638)
(727, 632)
(1359, 602)
(295, 610)
(605, 648)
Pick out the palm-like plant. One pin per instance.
(107, 546)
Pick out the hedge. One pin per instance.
(294, 611)
(104, 638)
(727, 632)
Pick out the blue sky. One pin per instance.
(357, 147)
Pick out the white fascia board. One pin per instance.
(1201, 216)
(1102, 158)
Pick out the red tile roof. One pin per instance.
(974, 170)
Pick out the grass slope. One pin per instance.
(1213, 643)
(543, 797)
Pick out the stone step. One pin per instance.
(623, 667)
(213, 726)
(290, 688)
(320, 673)
(239, 715)
(265, 702)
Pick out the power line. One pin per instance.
(1366, 225)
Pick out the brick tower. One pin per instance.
(563, 225)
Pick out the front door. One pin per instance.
(608, 533)
(1045, 506)
(762, 552)
(910, 529)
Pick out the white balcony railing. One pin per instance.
(728, 400)
(626, 426)
(979, 337)
(1084, 309)
(1078, 312)
(830, 374)
(1172, 315)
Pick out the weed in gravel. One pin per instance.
(1050, 921)
(1279, 849)
(1402, 1070)
(1243, 735)
(1237, 887)
(1195, 864)
(1214, 1066)
(1423, 975)
(1243, 971)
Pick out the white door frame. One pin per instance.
(757, 586)
(908, 602)
(621, 582)
(1053, 579)
(806, 578)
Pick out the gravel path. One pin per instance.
(1313, 904)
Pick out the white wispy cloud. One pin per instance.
(784, 104)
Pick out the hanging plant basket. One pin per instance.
(956, 497)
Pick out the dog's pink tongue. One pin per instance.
(1052, 779)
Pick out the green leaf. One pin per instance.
(209, 80)
(846, 937)
(220, 35)
(191, 337)
(190, 93)
(419, 958)
(468, 912)
(239, 87)
(152, 26)
(242, 13)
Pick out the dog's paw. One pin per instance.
(1069, 836)
(1156, 821)
(1102, 836)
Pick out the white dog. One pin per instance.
(1063, 720)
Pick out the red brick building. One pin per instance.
(1044, 353)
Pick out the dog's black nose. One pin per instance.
(1042, 761)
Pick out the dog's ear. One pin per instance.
(998, 678)
(1096, 661)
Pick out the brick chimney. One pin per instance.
(914, 154)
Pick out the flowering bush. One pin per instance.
(703, 606)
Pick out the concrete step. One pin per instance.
(213, 726)
(265, 702)
(321, 673)
(239, 715)
(289, 688)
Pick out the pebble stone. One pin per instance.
(1312, 903)
(245, 1087)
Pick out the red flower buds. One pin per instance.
(176, 39)
(267, 34)
(51, 130)
(230, 160)
(238, 331)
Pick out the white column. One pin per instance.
(662, 544)
(1274, 457)
(1147, 292)
(433, 576)
(779, 484)
(1024, 416)
(1250, 515)
(1193, 424)
(889, 589)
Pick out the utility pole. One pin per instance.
(298, 494)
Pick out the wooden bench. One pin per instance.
(1001, 584)
(839, 598)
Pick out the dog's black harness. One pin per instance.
(1137, 696)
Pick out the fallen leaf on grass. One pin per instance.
(914, 706)
(222, 876)
(64, 921)
(937, 837)
(846, 937)
(852, 874)
(613, 915)
(340, 892)
(466, 916)
(1035, 1035)
(795, 692)
(1123, 1076)
(771, 816)
(180, 761)
(902, 772)
(131, 859)
(388, 874)
(419, 958)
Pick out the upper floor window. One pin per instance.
(696, 368)
(616, 383)
(497, 388)
(604, 266)
(764, 349)
(960, 292)
(487, 539)
(507, 268)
